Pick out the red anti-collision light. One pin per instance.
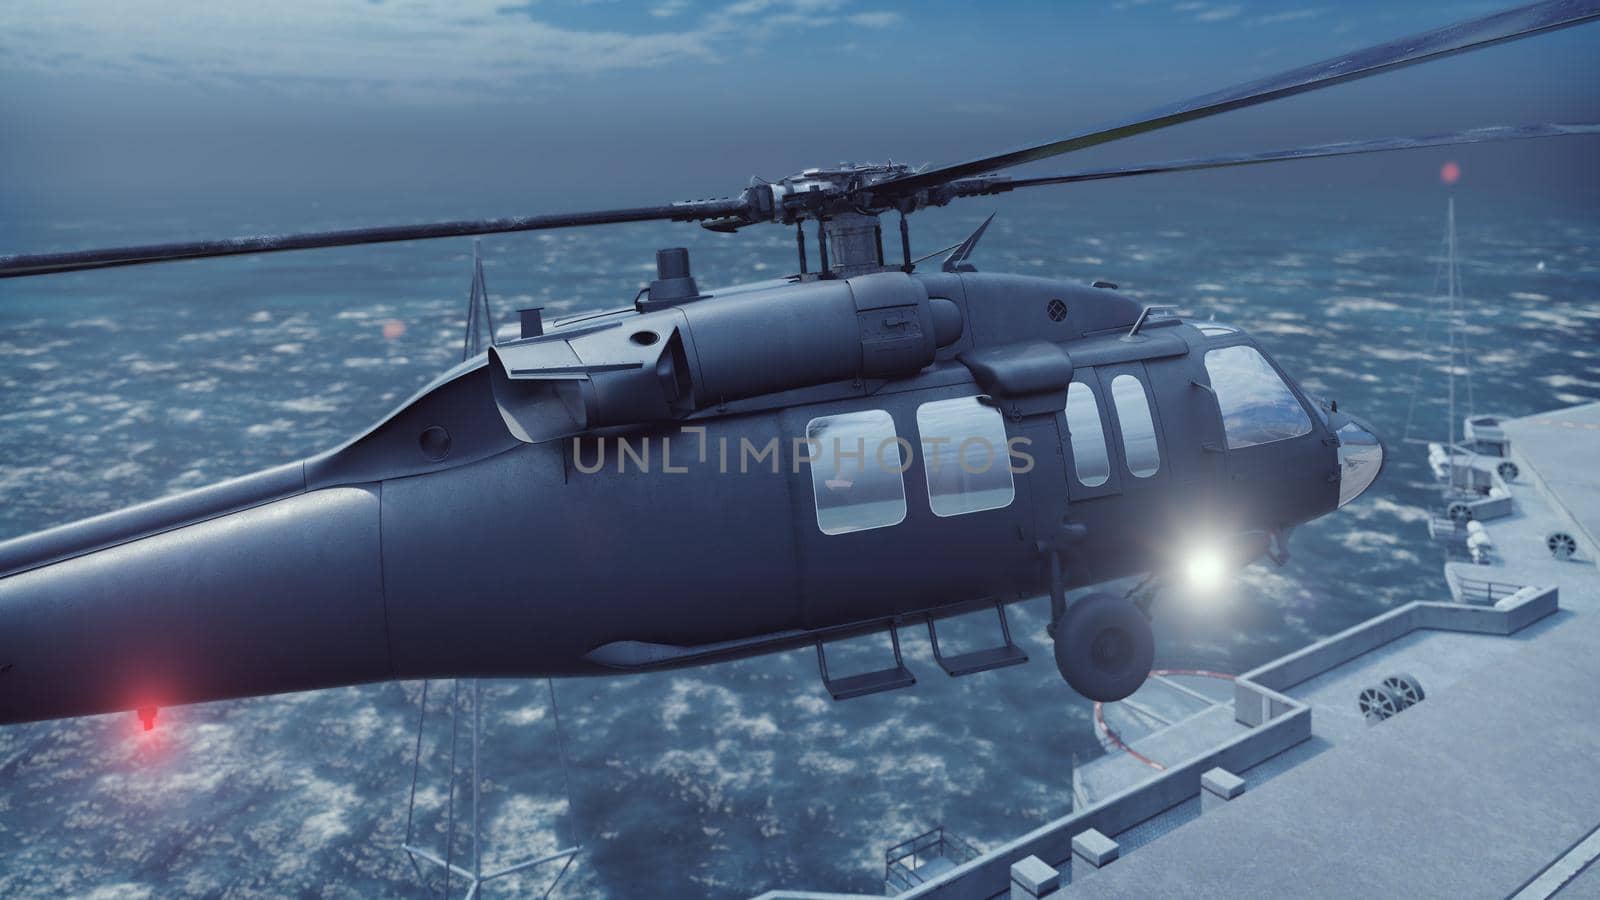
(147, 715)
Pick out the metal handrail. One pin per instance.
(936, 841)
(1488, 591)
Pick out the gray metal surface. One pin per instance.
(1481, 785)
(1563, 876)
(1583, 886)
(283, 596)
(1559, 448)
(482, 554)
(15, 265)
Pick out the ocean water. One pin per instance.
(125, 385)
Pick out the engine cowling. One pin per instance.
(656, 366)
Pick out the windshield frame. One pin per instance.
(1319, 427)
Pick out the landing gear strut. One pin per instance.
(1104, 648)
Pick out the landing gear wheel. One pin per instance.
(1378, 703)
(1408, 689)
(1561, 545)
(1508, 470)
(1104, 647)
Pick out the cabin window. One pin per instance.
(1089, 459)
(1138, 429)
(1257, 407)
(856, 467)
(965, 457)
(1212, 329)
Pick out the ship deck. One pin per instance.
(1472, 792)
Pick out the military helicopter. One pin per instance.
(706, 475)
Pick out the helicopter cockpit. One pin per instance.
(1259, 408)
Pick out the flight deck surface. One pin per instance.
(1470, 793)
(1560, 447)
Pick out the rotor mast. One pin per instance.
(849, 235)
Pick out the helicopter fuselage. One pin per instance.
(450, 542)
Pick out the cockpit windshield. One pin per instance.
(1257, 407)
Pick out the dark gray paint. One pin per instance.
(376, 561)
(280, 597)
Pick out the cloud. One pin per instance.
(1292, 15)
(875, 19)
(408, 49)
(669, 8)
(1219, 13)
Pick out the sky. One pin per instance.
(323, 112)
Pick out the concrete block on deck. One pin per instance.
(1033, 877)
(1094, 848)
(1218, 786)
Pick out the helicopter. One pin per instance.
(706, 475)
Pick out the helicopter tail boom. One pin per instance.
(284, 595)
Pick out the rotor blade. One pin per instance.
(929, 256)
(17, 265)
(1470, 35)
(1345, 148)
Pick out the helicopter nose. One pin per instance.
(1361, 456)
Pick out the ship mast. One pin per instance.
(1450, 293)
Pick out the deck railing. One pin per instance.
(901, 862)
(1478, 590)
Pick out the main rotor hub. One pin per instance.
(826, 193)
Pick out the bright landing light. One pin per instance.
(1205, 570)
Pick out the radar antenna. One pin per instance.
(479, 332)
(472, 874)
